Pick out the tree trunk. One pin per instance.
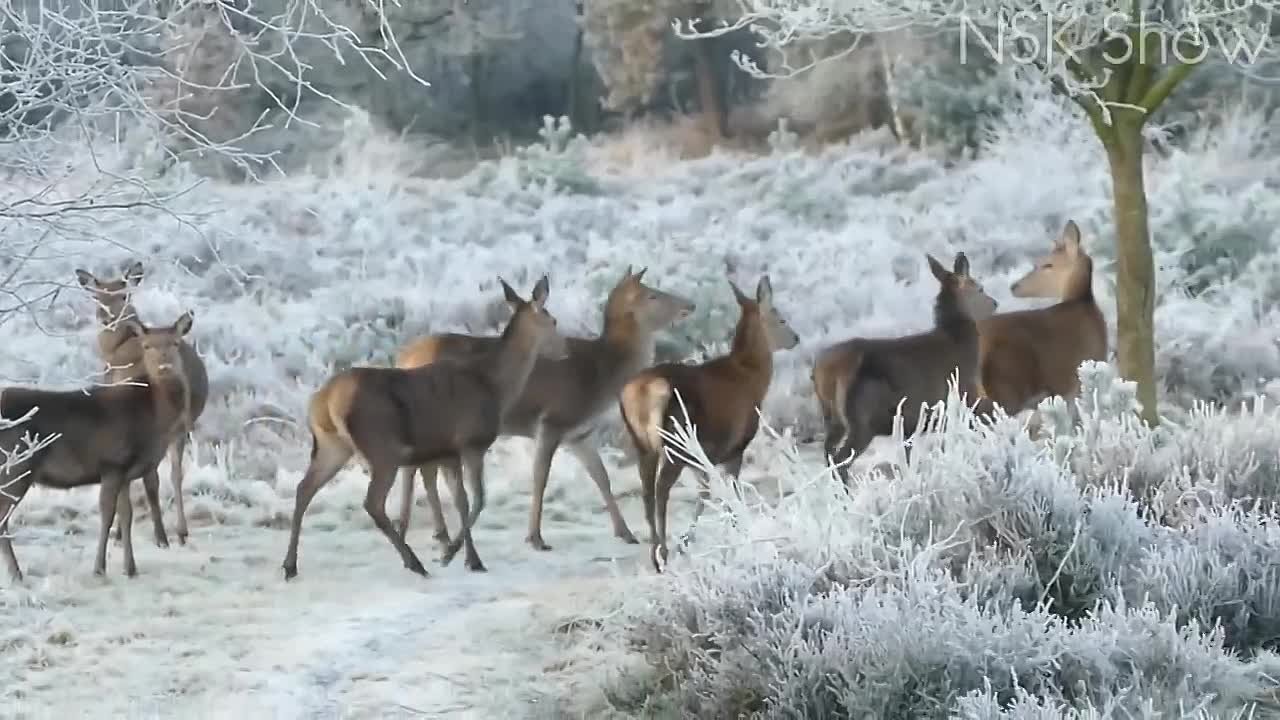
(1135, 267)
(710, 99)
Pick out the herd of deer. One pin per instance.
(450, 396)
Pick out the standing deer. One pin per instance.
(397, 417)
(1028, 355)
(721, 396)
(564, 399)
(120, 348)
(860, 382)
(108, 435)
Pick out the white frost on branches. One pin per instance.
(1078, 44)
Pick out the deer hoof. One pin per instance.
(537, 542)
(627, 537)
(476, 566)
(290, 572)
(182, 538)
(658, 556)
(415, 566)
(450, 552)
(162, 542)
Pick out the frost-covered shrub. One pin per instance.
(991, 567)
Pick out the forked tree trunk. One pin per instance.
(1135, 266)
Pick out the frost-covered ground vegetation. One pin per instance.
(996, 576)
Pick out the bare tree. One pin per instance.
(628, 37)
(1119, 60)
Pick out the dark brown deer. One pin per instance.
(565, 399)
(107, 435)
(860, 382)
(721, 396)
(396, 417)
(1028, 355)
(120, 349)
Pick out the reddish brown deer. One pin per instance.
(397, 417)
(860, 382)
(564, 399)
(107, 435)
(1028, 355)
(120, 348)
(722, 397)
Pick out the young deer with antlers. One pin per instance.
(564, 399)
(1028, 355)
(107, 435)
(721, 396)
(396, 417)
(122, 351)
(860, 382)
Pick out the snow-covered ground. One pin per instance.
(212, 630)
(293, 279)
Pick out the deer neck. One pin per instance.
(113, 335)
(750, 350)
(951, 319)
(1079, 284)
(629, 344)
(509, 367)
(170, 400)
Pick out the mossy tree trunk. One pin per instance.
(1134, 91)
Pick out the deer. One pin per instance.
(860, 382)
(1028, 355)
(565, 400)
(121, 350)
(399, 417)
(721, 396)
(105, 435)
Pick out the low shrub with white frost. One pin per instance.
(993, 571)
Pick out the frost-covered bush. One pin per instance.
(987, 569)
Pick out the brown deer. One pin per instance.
(1028, 355)
(860, 382)
(721, 397)
(106, 435)
(564, 399)
(122, 352)
(397, 417)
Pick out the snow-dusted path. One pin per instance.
(211, 630)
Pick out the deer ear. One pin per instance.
(540, 291)
(86, 279)
(961, 265)
(738, 294)
(512, 297)
(938, 270)
(1070, 240)
(182, 325)
(764, 290)
(133, 274)
(639, 275)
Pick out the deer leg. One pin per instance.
(124, 520)
(431, 484)
(648, 464)
(406, 498)
(547, 440)
(176, 477)
(472, 472)
(667, 477)
(590, 459)
(326, 461)
(382, 476)
(108, 499)
(704, 496)
(151, 486)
